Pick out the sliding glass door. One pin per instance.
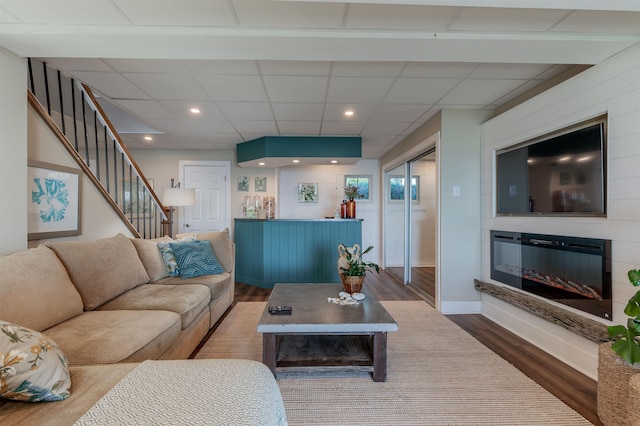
(410, 223)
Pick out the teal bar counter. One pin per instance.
(270, 251)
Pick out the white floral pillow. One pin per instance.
(169, 258)
(32, 367)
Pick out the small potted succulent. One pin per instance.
(352, 268)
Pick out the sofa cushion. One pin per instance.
(217, 283)
(151, 257)
(32, 367)
(185, 300)
(107, 337)
(102, 269)
(35, 289)
(195, 258)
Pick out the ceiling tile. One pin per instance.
(297, 111)
(296, 89)
(600, 22)
(384, 128)
(197, 125)
(264, 127)
(225, 139)
(147, 65)
(476, 92)
(222, 67)
(246, 110)
(405, 17)
(8, 18)
(170, 87)
(78, 64)
(145, 108)
(420, 90)
(502, 19)
(184, 12)
(182, 110)
(362, 112)
(275, 14)
(401, 113)
(367, 69)
(88, 12)
(233, 87)
(299, 127)
(438, 70)
(111, 84)
(341, 128)
(509, 71)
(358, 90)
(294, 68)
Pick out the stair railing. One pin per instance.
(73, 113)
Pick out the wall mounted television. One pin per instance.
(559, 174)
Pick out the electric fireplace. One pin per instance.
(569, 270)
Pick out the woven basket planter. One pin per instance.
(618, 394)
(352, 284)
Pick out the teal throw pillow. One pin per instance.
(168, 257)
(196, 258)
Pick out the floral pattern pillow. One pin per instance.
(32, 367)
(169, 258)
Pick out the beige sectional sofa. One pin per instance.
(110, 308)
(111, 300)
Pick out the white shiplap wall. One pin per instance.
(612, 87)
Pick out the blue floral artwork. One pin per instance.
(52, 197)
(54, 201)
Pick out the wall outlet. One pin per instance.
(456, 191)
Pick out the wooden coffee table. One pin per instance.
(324, 336)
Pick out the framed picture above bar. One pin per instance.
(54, 201)
(362, 182)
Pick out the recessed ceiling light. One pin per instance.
(348, 113)
(260, 164)
(148, 138)
(195, 110)
(334, 161)
(563, 159)
(296, 161)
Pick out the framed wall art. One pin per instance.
(307, 192)
(362, 182)
(243, 183)
(261, 184)
(54, 201)
(139, 206)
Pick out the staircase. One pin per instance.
(71, 111)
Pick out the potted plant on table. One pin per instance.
(352, 268)
(615, 371)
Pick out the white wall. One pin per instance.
(612, 87)
(459, 219)
(330, 181)
(13, 149)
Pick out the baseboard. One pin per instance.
(461, 307)
(575, 351)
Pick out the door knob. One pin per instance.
(187, 225)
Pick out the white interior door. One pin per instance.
(211, 180)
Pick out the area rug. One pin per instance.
(437, 375)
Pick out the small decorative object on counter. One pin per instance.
(343, 209)
(269, 207)
(352, 269)
(351, 192)
(248, 208)
(257, 206)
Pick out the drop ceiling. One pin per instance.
(261, 67)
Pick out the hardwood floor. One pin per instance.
(570, 386)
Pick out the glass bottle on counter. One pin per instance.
(269, 207)
(343, 209)
(248, 208)
(257, 206)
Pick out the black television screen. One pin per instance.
(560, 174)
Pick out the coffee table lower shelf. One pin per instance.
(316, 352)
